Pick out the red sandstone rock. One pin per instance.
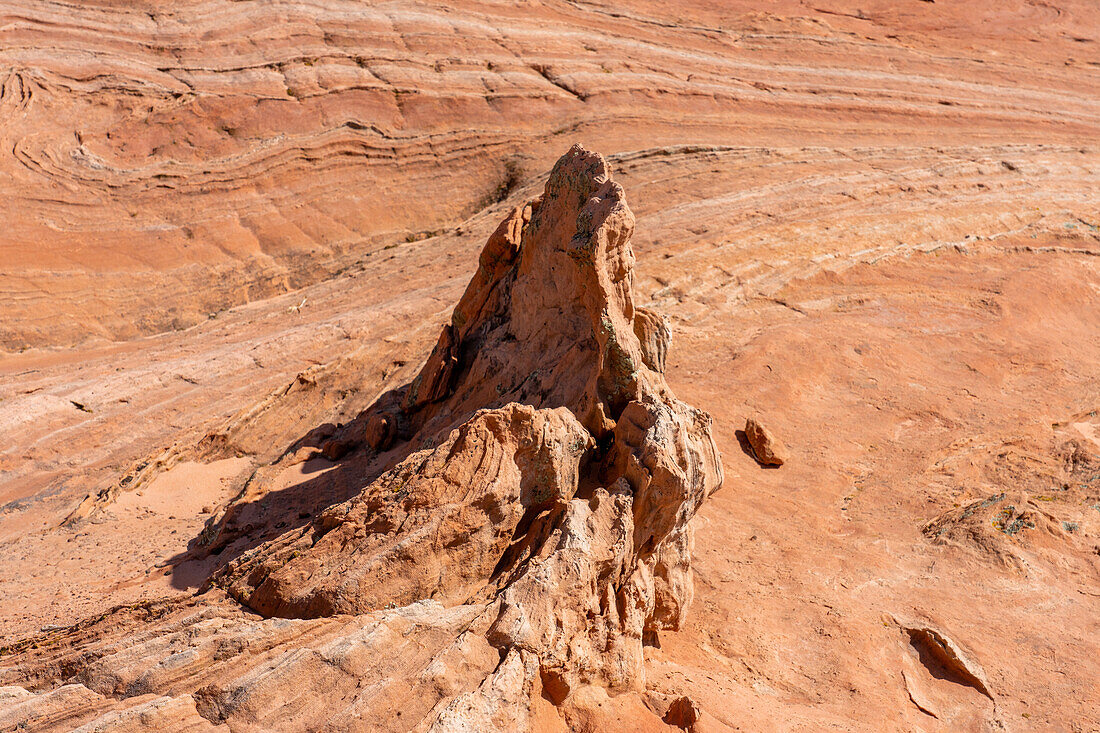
(800, 176)
(380, 431)
(682, 713)
(768, 449)
(581, 552)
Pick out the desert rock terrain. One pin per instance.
(237, 234)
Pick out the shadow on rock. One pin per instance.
(331, 462)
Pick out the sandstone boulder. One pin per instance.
(549, 471)
(766, 447)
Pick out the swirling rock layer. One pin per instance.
(871, 222)
(162, 162)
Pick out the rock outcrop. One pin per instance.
(543, 466)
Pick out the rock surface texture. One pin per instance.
(766, 448)
(232, 232)
(552, 473)
(529, 523)
(214, 153)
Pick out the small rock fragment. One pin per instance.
(682, 713)
(336, 448)
(380, 431)
(936, 649)
(768, 449)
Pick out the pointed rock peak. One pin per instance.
(549, 474)
(549, 318)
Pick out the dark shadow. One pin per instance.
(941, 665)
(315, 438)
(746, 447)
(341, 466)
(318, 437)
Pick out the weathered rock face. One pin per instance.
(433, 527)
(548, 470)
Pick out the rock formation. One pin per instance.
(549, 470)
(871, 220)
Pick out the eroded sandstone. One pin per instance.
(548, 470)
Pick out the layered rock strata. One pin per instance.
(542, 465)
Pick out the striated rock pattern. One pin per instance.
(552, 472)
(875, 221)
(164, 161)
(433, 527)
(918, 484)
(529, 533)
